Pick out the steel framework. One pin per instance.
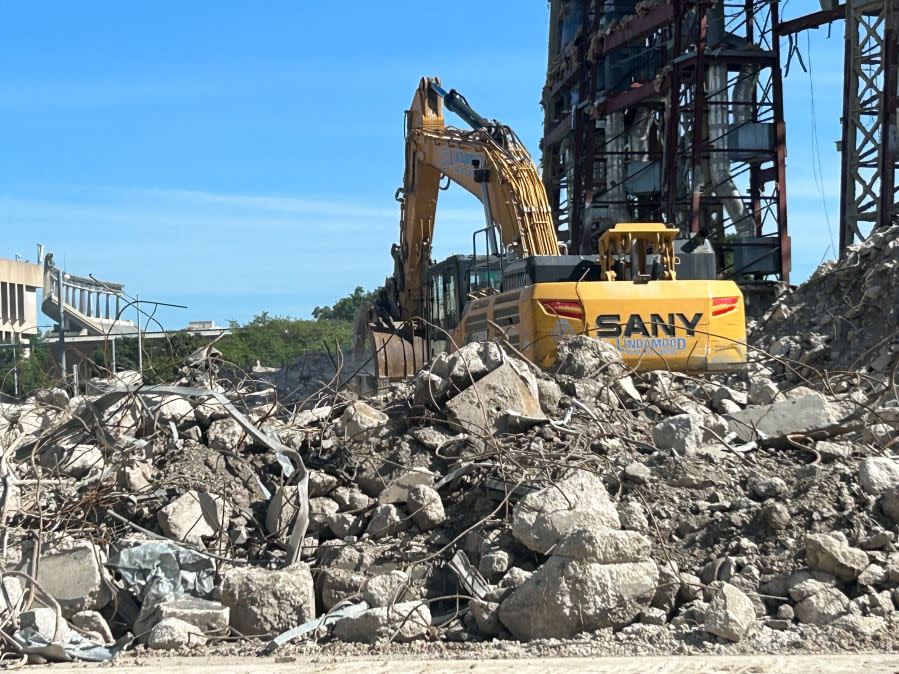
(868, 195)
(669, 111)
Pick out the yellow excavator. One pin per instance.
(652, 295)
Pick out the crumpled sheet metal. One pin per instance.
(469, 577)
(75, 647)
(159, 571)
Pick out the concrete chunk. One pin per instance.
(94, 623)
(172, 634)
(185, 518)
(387, 520)
(682, 433)
(75, 577)
(831, 555)
(207, 616)
(485, 406)
(425, 507)
(877, 474)
(404, 622)
(266, 601)
(787, 416)
(604, 546)
(227, 435)
(361, 421)
(46, 622)
(386, 589)
(541, 519)
(730, 614)
(567, 596)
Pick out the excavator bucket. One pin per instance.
(397, 354)
(385, 349)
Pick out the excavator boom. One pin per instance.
(489, 161)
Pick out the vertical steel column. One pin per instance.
(576, 196)
(780, 147)
(672, 122)
(698, 124)
(869, 153)
(589, 84)
(888, 154)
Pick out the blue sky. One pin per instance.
(238, 159)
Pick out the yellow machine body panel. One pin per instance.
(686, 326)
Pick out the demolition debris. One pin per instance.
(484, 501)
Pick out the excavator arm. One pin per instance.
(489, 161)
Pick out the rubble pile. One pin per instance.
(484, 500)
(845, 317)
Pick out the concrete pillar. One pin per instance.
(117, 308)
(82, 304)
(98, 314)
(107, 306)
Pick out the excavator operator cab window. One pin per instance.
(482, 278)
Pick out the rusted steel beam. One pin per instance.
(814, 20)
(637, 28)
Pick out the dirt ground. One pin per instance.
(745, 664)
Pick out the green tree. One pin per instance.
(345, 308)
(276, 340)
(28, 367)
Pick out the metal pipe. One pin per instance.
(722, 183)
(60, 293)
(140, 340)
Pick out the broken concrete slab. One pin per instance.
(484, 407)
(796, 415)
